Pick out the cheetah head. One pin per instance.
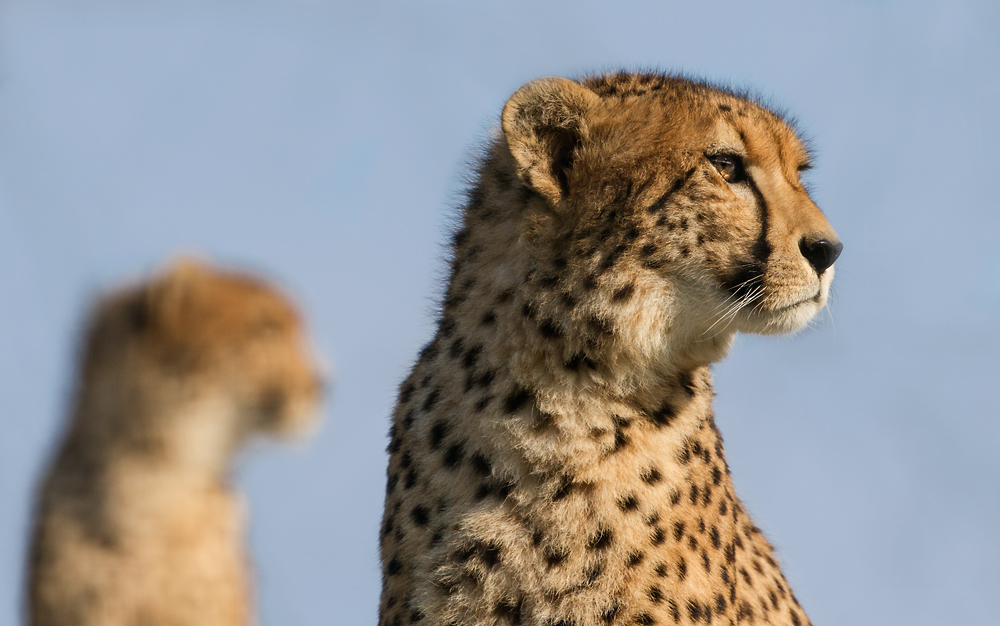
(674, 195)
(196, 334)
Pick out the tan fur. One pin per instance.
(137, 522)
(554, 459)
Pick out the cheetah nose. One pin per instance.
(820, 253)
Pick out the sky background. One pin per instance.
(325, 145)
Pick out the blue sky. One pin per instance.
(326, 144)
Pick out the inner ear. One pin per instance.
(544, 123)
(564, 144)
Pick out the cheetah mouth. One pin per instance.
(816, 298)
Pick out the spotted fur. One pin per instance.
(136, 521)
(553, 455)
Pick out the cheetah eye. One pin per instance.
(730, 167)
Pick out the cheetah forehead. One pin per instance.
(674, 115)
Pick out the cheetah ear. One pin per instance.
(168, 297)
(544, 122)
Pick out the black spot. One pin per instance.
(675, 612)
(481, 464)
(678, 530)
(795, 617)
(744, 612)
(611, 613)
(420, 515)
(601, 540)
(471, 356)
(655, 594)
(661, 570)
(411, 479)
(685, 455)
(651, 476)
(686, 381)
(675, 497)
(517, 399)
(387, 526)
(489, 319)
(390, 483)
(549, 330)
(692, 542)
(693, 496)
(528, 310)
(634, 559)
(555, 557)
(600, 325)
(438, 432)
(394, 442)
(456, 348)
(454, 455)
(725, 108)
(509, 610)
(498, 488)
(716, 540)
(723, 507)
(393, 567)
(406, 392)
(620, 440)
(550, 281)
(628, 503)
(594, 572)
(569, 301)
(565, 487)
(612, 258)
(483, 403)
(648, 250)
(694, 610)
(416, 615)
(579, 359)
(490, 553)
(716, 476)
(431, 399)
(705, 561)
(624, 293)
(682, 569)
(645, 619)
(658, 536)
(664, 415)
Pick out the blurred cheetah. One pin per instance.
(137, 522)
(554, 458)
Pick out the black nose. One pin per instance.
(820, 253)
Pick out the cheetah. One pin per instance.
(554, 460)
(136, 521)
